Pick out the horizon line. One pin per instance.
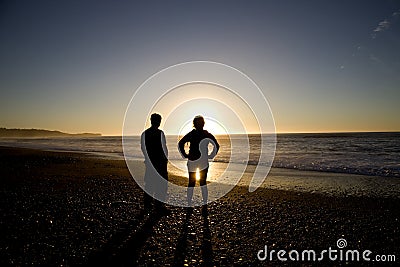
(234, 133)
(316, 132)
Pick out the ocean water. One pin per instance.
(373, 154)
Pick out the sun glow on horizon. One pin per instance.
(210, 125)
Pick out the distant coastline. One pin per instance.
(4, 132)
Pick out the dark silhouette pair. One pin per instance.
(153, 144)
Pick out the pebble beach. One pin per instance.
(67, 209)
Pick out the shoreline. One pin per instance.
(345, 159)
(67, 209)
(281, 178)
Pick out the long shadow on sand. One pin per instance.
(207, 252)
(181, 250)
(123, 249)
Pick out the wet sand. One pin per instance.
(72, 209)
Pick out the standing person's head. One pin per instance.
(198, 122)
(155, 120)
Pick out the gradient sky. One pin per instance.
(323, 65)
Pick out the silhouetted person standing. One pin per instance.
(154, 148)
(198, 156)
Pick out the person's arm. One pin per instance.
(181, 145)
(215, 147)
(143, 146)
(164, 144)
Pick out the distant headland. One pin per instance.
(4, 132)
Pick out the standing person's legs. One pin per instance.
(148, 188)
(192, 182)
(147, 200)
(203, 184)
(162, 185)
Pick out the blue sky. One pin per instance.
(323, 65)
